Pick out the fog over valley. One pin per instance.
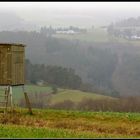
(34, 15)
(100, 42)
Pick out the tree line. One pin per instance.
(95, 63)
(53, 75)
(125, 28)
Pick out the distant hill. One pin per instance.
(108, 63)
(76, 96)
(129, 22)
(12, 22)
(62, 95)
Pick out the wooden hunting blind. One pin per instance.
(12, 64)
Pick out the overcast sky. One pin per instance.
(58, 13)
(112, 5)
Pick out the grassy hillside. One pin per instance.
(76, 96)
(63, 94)
(18, 92)
(69, 124)
(97, 35)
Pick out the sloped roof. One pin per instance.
(14, 44)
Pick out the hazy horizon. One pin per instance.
(83, 14)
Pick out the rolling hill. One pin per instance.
(76, 96)
(63, 94)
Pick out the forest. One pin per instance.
(109, 67)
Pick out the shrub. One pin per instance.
(66, 104)
(54, 89)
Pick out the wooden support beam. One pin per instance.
(6, 99)
(10, 92)
(28, 103)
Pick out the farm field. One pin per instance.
(18, 92)
(69, 124)
(63, 94)
(76, 96)
(97, 35)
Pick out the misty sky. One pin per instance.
(72, 13)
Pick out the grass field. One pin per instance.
(69, 124)
(98, 35)
(18, 92)
(76, 96)
(63, 94)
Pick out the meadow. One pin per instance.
(56, 123)
(18, 92)
(62, 94)
(75, 96)
(49, 123)
(97, 35)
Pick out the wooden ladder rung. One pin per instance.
(3, 95)
(2, 89)
(3, 101)
(2, 107)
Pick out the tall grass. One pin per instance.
(69, 124)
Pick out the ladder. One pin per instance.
(4, 99)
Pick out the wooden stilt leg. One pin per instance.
(11, 97)
(27, 101)
(6, 99)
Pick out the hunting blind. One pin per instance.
(11, 64)
(12, 67)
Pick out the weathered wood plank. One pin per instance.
(12, 64)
